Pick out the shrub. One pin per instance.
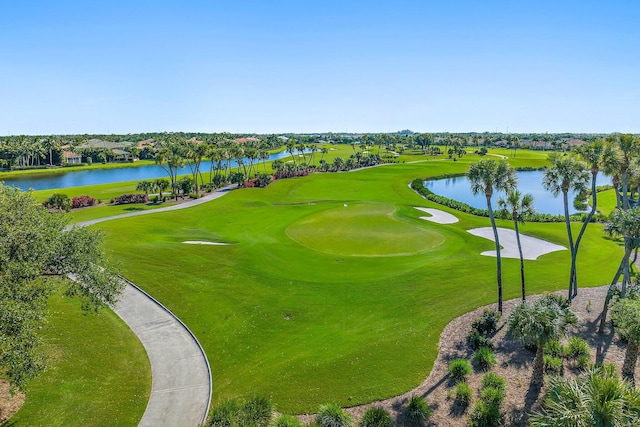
(376, 417)
(477, 340)
(82, 202)
(484, 358)
(287, 421)
(487, 323)
(226, 414)
(130, 198)
(493, 380)
(58, 201)
(559, 300)
(492, 396)
(485, 415)
(459, 369)
(418, 411)
(256, 412)
(463, 394)
(577, 347)
(553, 365)
(554, 348)
(584, 362)
(331, 415)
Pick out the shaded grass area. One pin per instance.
(305, 326)
(98, 372)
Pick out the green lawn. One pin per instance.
(98, 372)
(310, 318)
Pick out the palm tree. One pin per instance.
(601, 398)
(625, 223)
(545, 320)
(518, 207)
(145, 186)
(485, 176)
(610, 163)
(565, 174)
(629, 147)
(161, 185)
(592, 153)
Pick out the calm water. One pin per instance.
(528, 182)
(105, 176)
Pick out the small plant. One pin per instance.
(577, 347)
(256, 412)
(553, 365)
(58, 201)
(376, 417)
(459, 369)
(583, 362)
(477, 340)
(493, 380)
(463, 394)
(554, 348)
(226, 414)
(418, 411)
(487, 323)
(331, 415)
(287, 421)
(492, 395)
(485, 415)
(484, 358)
(557, 299)
(588, 306)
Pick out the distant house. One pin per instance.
(72, 158)
(121, 155)
(245, 140)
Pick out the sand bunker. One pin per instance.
(203, 242)
(437, 216)
(532, 247)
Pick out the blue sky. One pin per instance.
(314, 66)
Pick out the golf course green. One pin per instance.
(332, 288)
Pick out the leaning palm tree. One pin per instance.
(487, 176)
(518, 207)
(565, 174)
(592, 154)
(545, 320)
(601, 398)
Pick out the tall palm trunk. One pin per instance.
(594, 202)
(498, 260)
(565, 199)
(515, 222)
(610, 293)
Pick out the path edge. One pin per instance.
(191, 334)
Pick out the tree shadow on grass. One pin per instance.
(133, 209)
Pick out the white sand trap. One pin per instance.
(532, 247)
(438, 216)
(498, 155)
(203, 242)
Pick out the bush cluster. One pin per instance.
(459, 369)
(254, 412)
(376, 417)
(130, 198)
(58, 201)
(486, 412)
(82, 202)
(482, 328)
(484, 358)
(463, 394)
(332, 415)
(418, 412)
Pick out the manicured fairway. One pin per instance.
(98, 372)
(303, 316)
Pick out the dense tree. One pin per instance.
(487, 176)
(36, 246)
(545, 320)
(566, 174)
(518, 207)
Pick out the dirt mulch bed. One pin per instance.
(9, 403)
(514, 363)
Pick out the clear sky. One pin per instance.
(312, 66)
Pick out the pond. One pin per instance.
(105, 176)
(459, 189)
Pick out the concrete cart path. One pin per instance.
(180, 375)
(215, 195)
(180, 372)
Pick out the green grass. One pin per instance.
(98, 372)
(310, 323)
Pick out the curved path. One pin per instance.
(180, 373)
